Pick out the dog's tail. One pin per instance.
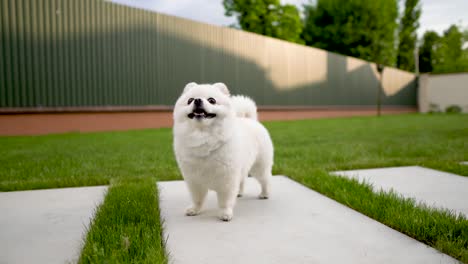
(244, 106)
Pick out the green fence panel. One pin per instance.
(61, 53)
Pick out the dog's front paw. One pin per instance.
(225, 215)
(191, 211)
(263, 196)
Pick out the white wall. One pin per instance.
(443, 90)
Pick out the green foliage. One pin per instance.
(444, 54)
(450, 55)
(359, 28)
(407, 35)
(289, 24)
(427, 56)
(453, 109)
(266, 17)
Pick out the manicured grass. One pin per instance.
(304, 150)
(126, 228)
(436, 141)
(75, 159)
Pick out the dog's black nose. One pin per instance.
(198, 102)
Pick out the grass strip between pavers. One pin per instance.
(126, 227)
(440, 229)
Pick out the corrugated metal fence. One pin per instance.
(59, 53)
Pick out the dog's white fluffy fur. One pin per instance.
(244, 106)
(218, 146)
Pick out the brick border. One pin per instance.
(93, 120)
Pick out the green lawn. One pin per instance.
(305, 151)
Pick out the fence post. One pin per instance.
(380, 68)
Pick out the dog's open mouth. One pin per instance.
(200, 113)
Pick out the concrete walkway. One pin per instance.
(432, 187)
(46, 226)
(296, 225)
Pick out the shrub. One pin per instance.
(453, 109)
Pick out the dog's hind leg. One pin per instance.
(198, 194)
(241, 188)
(263, 175)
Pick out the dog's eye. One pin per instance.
(190, 100)
(211, 100)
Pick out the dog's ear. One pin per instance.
(222, 87)
(189, 86)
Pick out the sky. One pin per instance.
(437, 15)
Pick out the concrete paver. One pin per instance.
(432, 187)
(296, 225)
(46, 226)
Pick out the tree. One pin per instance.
(427, 51)
(450, 55)
(407, 35)
(444, 54)
(266, 17)
(289, 24)
(359, 28)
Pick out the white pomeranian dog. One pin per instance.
(218, 142)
